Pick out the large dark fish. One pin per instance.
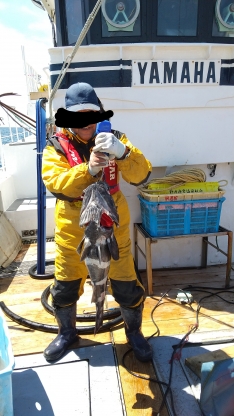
(99, 243)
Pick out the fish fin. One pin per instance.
(85, 252)
(86, 249)
(90, 213)
(113, 247)
(99, 254)
(79, 248)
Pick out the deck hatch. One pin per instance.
(88, 372)
(45, 390)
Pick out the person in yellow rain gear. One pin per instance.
(73, 159)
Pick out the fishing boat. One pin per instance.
(165, 68)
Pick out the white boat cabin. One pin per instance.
(166, 69)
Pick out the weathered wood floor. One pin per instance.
(22, 295)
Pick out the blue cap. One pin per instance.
(81, 96)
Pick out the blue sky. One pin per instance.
(22, 24)
(26, 18)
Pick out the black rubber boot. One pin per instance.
(66, 319)
(133, 319)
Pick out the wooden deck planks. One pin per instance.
(141, 397)
(22, 294)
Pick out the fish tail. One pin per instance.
(99, 316)
(94, 295)
(99, 293)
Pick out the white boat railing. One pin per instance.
(16, 135)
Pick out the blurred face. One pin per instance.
(86, 133)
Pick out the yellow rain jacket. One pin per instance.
(67, 184)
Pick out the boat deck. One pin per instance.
(138, 396)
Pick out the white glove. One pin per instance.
(108, 143)
(97, 162)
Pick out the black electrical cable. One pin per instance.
(180, 345)
(154, 380)
(161, 383)
(199, 308)
(194, 328)
(217, 295)
(204, 288)
(183, 343)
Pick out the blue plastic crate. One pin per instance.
(162, 219)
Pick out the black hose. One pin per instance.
(34, 275)
(81, 330)
(27, 322)
(113, 315)
(87, 317)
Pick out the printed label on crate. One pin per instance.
(187, 188)
(171, 198)
(185, 191)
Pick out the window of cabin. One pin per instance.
(177, 17)
(127, 21)
(75, 20)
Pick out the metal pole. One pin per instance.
(41, 190)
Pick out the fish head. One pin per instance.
(97, 201)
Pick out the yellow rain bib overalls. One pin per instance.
(67, 184)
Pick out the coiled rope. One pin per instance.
(175, 179)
